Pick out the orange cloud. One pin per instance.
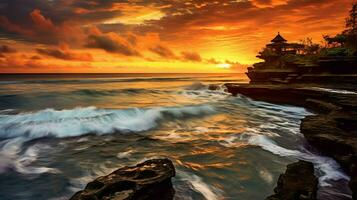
(6, 24)
(112, 43)
(4, 49)
(26, 64)
(43, 30)
(191, 56)
(65, 53)
(159, 34)
(41, 22)
(163, 52)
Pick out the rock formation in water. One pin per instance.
(149, 180)
(297, 183)
(333, 130)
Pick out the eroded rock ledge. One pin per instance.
(149, 180)
(333, 130)
(297, 183)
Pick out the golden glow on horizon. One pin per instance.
(150, 36)
(224, 65)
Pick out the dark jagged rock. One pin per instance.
(333, 130)
(297, 183)
(335, 134)
(214, 87)
(149, 180)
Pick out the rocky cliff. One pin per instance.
(297, 183)
(333, 128)
(149, 180)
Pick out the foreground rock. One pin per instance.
(333, 130)
(297, 183)
(149, 180)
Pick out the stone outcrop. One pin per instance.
(297, 183)
(333, 130)
(149, 180)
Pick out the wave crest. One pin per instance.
(79, 121)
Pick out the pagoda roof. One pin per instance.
(278, 39)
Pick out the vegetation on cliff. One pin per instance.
(345, 43)
(282, 55)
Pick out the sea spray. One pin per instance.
(195, 127)
(16, 129)
(80, 121)
(329, 168)
(209, 192)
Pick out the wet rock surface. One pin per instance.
(333, 128)
(297, 183)
(149, 180)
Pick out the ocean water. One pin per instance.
(58, 132)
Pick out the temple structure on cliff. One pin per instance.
(285, 62)
(280, 46)
(277, 55)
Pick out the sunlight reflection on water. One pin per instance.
(65, 132)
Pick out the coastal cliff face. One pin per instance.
(333, 130)
(148, 180)
(297, 183)
(335, 134)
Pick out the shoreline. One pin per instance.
(332, 128)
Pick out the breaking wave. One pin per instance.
(79, 121)
(100, 93)
(17, 129)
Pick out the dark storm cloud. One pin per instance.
(97, 4)
(115, 27)
(52, 22)
(167, 53)
(65, 54)
(180, 16)
(6, 49)
(19, 19)
(58, 10)
(42, 29)
(111, 44)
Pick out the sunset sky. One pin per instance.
(101, 36)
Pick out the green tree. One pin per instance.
(308, 47)
(351, 30)
(351, 21)
(344, 43)
(337, 41)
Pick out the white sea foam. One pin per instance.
(200, 91)
(125, 154)
(79, 121)
(209, 192)
(334, 90)
(11, 157)
(328, 167)
(98, 170)
(266, 176)
(17, 129)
